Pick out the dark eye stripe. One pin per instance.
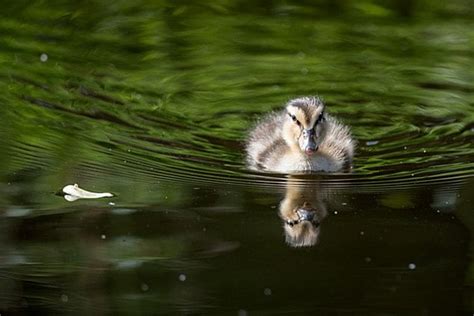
(294, 119)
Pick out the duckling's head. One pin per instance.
(305, 126)
(301, 223)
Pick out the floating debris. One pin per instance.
(73, 192)
(182, 277)
(412, 266)
(267, 292)
(371, 142)
(44, 57)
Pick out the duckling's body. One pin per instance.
(301, 138)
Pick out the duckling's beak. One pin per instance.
(305, 214)
(309, 145)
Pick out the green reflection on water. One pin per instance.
(194, 80)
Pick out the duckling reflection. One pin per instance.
(302, 211)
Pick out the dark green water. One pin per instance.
(152, 101)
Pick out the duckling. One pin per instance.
(301, 138)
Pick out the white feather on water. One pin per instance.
(74, 192)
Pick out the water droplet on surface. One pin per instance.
(144, 287)
(412, 266)
(362, 233)
(182, 277)
(111, 203)
(335, 212)
(64, 298)
(304, 71)
(103, 236)
(368, 259)
(267, 291)
(44, 58)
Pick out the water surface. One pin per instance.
(152, 101)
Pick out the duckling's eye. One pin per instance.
(293, 117)
(320, 118)
(295, 120)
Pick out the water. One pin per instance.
(153, 102)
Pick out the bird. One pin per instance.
(302, 138)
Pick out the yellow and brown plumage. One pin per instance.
(301, 138)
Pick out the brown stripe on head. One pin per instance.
(306, 109)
